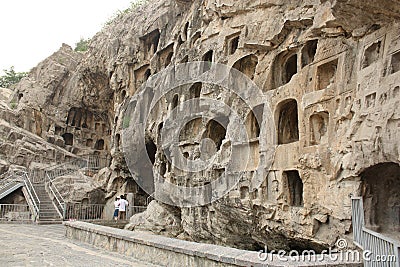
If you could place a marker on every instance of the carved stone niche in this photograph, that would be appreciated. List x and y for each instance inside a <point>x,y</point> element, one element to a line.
<point>149,43</point>
<point>288,122</point>
<point>326,74</point>
<point>284,68</point>
<point>293,188</point>
<point>319,128</point>
<point>395,62</point>
<point>371,54</point>
<point>247,65</point>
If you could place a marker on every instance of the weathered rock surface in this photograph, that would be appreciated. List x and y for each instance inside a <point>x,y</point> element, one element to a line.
<point>158,218</point>
<point>329,71</point>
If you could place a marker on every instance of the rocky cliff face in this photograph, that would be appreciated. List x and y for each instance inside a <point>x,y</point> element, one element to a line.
<point>329,74</point>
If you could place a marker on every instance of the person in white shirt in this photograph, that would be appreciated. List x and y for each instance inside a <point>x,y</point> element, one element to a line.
<point>123,204</point>
<point>116,208</point>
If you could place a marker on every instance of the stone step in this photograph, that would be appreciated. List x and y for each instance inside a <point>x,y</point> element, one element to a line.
<point>49,222</point>
<point>52,211</point>
<point>50,206</point>
<point>42,204</point>
<point>49,215</point>
<point>49,218</point>
<point>45,198</point>
<point>48,209</point>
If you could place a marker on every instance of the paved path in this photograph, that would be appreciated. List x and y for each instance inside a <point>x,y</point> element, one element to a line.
<point>45,245</point>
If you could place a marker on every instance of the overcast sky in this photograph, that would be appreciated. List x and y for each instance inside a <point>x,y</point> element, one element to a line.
<point>31,30</point>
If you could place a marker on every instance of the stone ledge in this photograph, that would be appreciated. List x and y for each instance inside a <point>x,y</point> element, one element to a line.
<point>174,252</point>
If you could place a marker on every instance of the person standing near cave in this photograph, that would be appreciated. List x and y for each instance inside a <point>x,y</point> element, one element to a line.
<point>116,208</point>
<point>123,204</point>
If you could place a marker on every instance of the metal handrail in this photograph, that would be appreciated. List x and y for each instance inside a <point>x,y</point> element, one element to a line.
<point>5,178</point>
<point>8,178</point>
<point>92,162</point>
<point>30,188</point>
<point>79,211</point>
<point>33,202</point>
<point>367,239</point>
<point>57,195</point>
<point>31,185</point>
<point>63,163</point>
<point>150,198</point>
<point>137,209</point>
<point>6,183</point>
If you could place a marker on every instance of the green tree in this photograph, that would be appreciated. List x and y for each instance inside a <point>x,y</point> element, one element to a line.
<point>82,45</point>
<point>11,77</point>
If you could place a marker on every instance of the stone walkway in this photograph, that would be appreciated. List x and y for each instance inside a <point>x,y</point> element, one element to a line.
<point>45,245</point>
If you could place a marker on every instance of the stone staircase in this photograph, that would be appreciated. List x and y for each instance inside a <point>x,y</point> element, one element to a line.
<point>48,213</point>
<point>48,206</point>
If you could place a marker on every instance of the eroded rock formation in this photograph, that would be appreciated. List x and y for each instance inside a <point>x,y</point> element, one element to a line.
<point>329,71</point>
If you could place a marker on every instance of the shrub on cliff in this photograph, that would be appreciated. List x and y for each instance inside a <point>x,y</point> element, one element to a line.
<point>11,77</point>
<point>82,45</point>
<point>119,13</point>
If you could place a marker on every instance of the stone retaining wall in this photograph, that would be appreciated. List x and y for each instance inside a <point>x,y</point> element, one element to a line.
<point>171,252</point>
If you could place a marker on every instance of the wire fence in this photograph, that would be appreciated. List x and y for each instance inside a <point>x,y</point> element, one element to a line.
<point>15,213</point>
<point>90,212</point>
<point>83,212</point>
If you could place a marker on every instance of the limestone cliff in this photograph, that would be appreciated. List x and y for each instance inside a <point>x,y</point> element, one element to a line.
<point>328,70</point>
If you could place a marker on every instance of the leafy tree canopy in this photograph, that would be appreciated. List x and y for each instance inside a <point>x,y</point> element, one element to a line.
<point>11,77</point>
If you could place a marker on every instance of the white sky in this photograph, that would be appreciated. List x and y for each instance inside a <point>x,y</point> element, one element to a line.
<point>32,30</point>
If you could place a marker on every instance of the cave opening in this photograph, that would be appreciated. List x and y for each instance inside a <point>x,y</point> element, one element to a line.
<point>118,141</point>
<point>151,150</point>
<point>99,145</point>
<point>233,45</point>
<point>168,59</point>
<point>147,75</point>
<point>68,139</point>
<point>395,62</point>
<point>294,188</point>
<point>381,197</point>
<point>247,65</point>
<point>308,52</point>
<point>288,128</point>
<point>175,102</point>
<point>89,142</point>
<point>216,132</point>
<point>150,42</point>
<point>253,121</point>
<point>195,90</point>
<point>290,68</point>
<point>185,32</point>
<point>208,58</point>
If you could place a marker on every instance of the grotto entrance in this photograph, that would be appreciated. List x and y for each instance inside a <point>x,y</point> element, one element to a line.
<point>381,197</point>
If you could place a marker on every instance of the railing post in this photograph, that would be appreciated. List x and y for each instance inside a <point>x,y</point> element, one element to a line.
<point>64,211</point>
<point>397,255</point>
